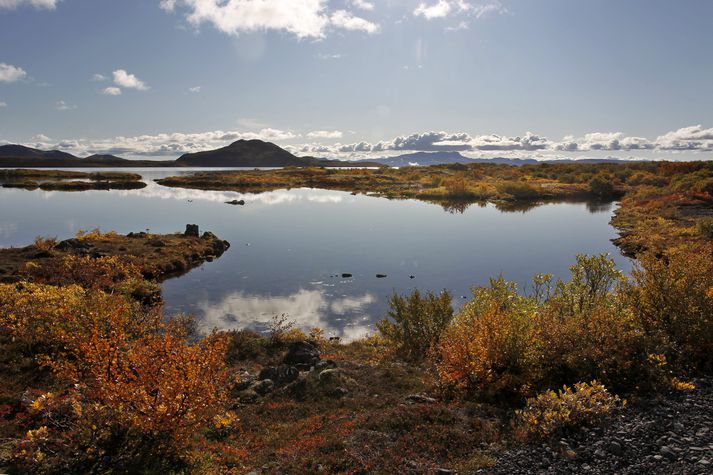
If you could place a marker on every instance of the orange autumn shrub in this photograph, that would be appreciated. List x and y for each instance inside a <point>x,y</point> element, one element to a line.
<point>672,298</point>
<point>489,349</point>
<point>129,386</point>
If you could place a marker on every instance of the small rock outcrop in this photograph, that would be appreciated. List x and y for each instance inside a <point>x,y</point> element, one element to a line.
<point>302,355</point>
<point>192,230</point>
<point>280,375</point>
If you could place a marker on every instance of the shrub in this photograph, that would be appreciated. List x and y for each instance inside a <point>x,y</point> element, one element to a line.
<point>705,227</point>
<point>488,348</point>
<point>673,302</point>
<point>416,323</point>
<point>131,386</point>
<point>554,412</point>
<point>518,190</point>
<point>45,244</point>
<point>601,186</point>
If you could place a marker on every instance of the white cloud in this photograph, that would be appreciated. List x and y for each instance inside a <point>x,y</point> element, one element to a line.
<point>11,4</point>
<point>3,104</point>
<point>128,81</point>
<point>63,106</point>
<point>302,18</point>
<point>99,78</point>
<point>168,5</point>
<point>112,91</point>
<point>344,19</point>
<point>529,145</point>
<point>435,10</point>
<point>325,134</point>
<point>10,73</point>
<point>694,138</point>
<point>444,8</point>
<point>329,55</point>
<point>363,4</point>
<point>195,89</point>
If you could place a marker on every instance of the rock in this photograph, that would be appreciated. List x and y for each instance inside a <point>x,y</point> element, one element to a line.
<point>236,202</point>
<point>262,387</point>
<point>156,242</point>
<point>381,276</point>
<point>280,375</point>
<point>326,364</point>
<point>444,471</point>
<point>72,245</point>
<point>302,354</point>
<point>667,452</point>
<point>339,392</point>
<point>412,277</point>
<point>346,276</point>
<point>615,448</point>
<point>192,230</point>
<point>420,399</point>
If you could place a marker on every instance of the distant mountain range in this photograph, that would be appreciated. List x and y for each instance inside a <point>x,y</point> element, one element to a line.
<point>444,158</point>
<point>243,153</point>
<point>247,153</point>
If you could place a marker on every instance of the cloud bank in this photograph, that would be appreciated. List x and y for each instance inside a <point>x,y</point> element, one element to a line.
<point>324,143</point>
<point>301,18</point>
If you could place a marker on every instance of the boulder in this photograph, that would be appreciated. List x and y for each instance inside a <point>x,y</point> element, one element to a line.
<point>262,387</point>
<point>236,202</point>
<point>280,375</point>
<point>192,230</point>
<point>302,354</point>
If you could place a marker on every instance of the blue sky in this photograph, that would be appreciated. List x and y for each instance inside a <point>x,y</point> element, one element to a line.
<point>358,78</point>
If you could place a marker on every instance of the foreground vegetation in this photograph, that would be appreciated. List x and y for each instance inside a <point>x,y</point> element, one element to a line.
<point>96,380</point>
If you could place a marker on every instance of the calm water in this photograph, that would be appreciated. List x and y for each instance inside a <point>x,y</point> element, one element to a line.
<point>288,246</point>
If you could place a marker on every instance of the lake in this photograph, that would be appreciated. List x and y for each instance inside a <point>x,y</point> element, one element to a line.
<point>291,247</point>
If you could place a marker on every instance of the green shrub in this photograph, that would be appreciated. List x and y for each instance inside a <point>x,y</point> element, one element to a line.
<point>601,186</point>
<point>416,323</point>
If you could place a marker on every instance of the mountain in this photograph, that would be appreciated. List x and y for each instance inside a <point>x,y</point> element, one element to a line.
<point>425,159</point>
<point>257,153</point>
<point>19,151</point>
<point>445,158</point>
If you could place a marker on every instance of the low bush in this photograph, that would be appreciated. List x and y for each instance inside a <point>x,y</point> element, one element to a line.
<point>551,412</point>
<point>672,299</point>
<point>705,228</point>
<point>415,323</point>
<point>488,349</point>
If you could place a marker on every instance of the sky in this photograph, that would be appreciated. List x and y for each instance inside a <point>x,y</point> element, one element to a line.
<point>360,78</point>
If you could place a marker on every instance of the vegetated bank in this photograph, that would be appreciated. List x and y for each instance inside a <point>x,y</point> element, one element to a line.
<point>62,180</point>
<point>432,390</point>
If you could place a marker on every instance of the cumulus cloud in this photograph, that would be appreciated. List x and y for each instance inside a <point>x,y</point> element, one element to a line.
<point>444,8</point>
<point>10,73</point>
<point>325,134</point>
<point>363,5</point>
<point>112,91</point>
<point>63,106</point>
<point>693,138</point>
<point>529,145</point>
<point>195,89</point>
<point>168,5</point>
<point>11,4</point>
<point>302,18</point>
<point>167,144</point>
<point>344,19</point>
<point>128,81</point>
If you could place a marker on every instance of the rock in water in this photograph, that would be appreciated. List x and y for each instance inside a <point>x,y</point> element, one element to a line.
<point>192,230</point>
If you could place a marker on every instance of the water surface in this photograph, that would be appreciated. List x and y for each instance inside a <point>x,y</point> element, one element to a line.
<point>291,247</point>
